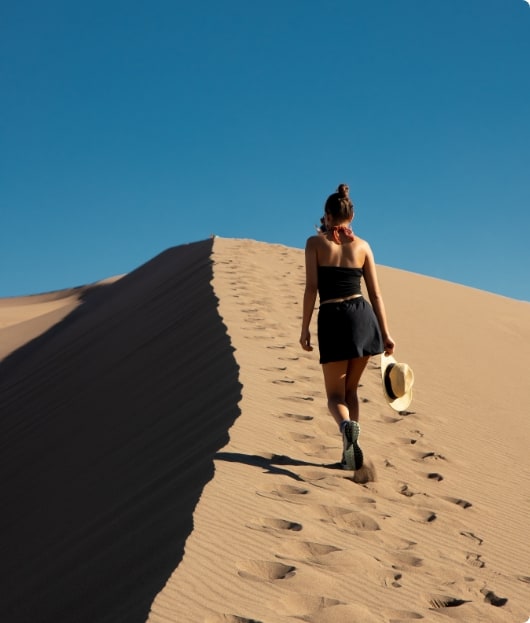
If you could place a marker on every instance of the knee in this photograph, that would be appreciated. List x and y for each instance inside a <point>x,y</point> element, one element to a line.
<point>335,399</point>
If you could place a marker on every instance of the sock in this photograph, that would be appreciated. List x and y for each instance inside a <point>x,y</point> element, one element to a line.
<point>342,425</point>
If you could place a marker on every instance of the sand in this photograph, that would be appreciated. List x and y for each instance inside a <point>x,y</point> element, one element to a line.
<point>168,457</point>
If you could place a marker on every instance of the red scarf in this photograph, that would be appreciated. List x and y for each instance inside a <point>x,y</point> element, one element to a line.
<point>341,228</point>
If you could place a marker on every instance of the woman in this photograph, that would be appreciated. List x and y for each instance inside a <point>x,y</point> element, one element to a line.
<point>350,330</point>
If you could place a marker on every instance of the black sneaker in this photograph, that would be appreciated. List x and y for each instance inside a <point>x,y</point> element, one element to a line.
<point>352,456</point>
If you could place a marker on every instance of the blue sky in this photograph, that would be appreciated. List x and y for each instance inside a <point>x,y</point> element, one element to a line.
<point>130,127</point>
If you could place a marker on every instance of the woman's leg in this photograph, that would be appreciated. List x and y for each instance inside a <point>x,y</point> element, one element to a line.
<point>353,376</point>
<point>335,374</point>
<point>341,379</point>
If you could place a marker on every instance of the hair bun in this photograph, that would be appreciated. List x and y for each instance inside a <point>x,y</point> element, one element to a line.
<point>343,190</point>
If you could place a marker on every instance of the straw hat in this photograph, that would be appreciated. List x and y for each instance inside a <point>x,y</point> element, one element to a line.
<point>398,379</point>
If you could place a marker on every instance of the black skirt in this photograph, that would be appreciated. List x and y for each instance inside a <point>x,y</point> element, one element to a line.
<point>347,330</point>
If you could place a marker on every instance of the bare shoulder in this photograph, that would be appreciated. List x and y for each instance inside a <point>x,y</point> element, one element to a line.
<point>314,241</point>
<point>363,246</point>
<point>361,242</point>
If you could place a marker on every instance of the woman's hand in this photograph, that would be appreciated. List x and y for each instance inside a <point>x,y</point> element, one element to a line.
<point>389,344</point>
<point>305,340</point>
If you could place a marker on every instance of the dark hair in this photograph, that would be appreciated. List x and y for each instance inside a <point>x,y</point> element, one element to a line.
<point>339,205</point>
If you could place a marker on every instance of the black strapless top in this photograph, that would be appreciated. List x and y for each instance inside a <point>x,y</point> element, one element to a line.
<point>338,282</point>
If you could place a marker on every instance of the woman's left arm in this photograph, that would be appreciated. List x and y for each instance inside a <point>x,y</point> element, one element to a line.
<point>310,292</point>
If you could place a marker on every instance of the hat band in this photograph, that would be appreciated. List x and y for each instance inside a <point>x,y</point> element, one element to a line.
<point>388,384</point>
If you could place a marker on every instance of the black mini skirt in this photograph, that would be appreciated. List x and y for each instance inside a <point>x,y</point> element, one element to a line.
<point>347,330</point>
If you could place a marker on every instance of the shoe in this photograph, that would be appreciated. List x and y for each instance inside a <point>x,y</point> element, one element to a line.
<point>352,456</point>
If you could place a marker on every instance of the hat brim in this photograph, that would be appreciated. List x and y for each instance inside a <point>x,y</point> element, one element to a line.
<point>398,404</point>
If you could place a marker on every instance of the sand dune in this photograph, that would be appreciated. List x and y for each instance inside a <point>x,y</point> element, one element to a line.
<point>167,455</point>
<point>109,423</point>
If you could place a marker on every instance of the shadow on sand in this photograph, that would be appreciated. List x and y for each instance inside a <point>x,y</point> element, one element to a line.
<point>109,423</point>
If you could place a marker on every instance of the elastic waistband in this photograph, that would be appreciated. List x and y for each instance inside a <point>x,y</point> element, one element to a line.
<point>353,297</point>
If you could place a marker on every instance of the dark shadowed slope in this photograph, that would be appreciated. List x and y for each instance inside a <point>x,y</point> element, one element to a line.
<point>108,427</point>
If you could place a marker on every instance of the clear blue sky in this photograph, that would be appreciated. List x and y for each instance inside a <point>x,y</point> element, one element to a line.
<point>127,127</point>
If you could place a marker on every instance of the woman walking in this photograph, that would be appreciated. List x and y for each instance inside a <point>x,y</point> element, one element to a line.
<point>350,329</point>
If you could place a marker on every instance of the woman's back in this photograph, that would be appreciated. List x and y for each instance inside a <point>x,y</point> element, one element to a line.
<point>347,254</point>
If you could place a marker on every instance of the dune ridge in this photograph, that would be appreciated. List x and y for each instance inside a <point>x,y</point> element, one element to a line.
<point>224,503</point>
<point>102,458</point>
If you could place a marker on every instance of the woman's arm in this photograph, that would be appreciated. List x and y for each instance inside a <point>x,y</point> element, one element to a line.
<point>310,292</point>
<point>376,299</point>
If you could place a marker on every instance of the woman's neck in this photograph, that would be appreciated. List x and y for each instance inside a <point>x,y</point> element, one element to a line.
<point>346,224</point>
<point>340,233</point>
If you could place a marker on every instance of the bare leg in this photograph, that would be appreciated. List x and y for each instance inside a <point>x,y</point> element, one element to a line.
<point>341,379</point>
<point>335,374</point>
<point>353,376</point>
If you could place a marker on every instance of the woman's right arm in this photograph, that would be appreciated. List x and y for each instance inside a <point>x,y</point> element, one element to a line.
<point>310,292</point>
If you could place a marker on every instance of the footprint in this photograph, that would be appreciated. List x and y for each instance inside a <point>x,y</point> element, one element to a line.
<point>263,570</point>
<point>296,417</point>
<point>300,437</point>
<point>321,479</point>
<point>402,616</point>
<point>386,419</point>
<point>275,525</point>
<point>320,450</point>
<point>306,398</point>
<point>299,604</point>
<point>393,580</point>
<point>290,493</point>
<point>341,612</point>
<point>358,521</point>
<point>431,456</point>
<point>411,440</point>
<point>404,490</point>
<point>309,551</point>
<point>253,326</point>
<point>475,560</point>
<point>491,598</point>
<point>470,535</point>
<point>328,514</point>
<point>423,516</point>
<point>408,441</point>
<point>391,541</point>
<point>445,601</point>
<point>363,500</point>
<point>404,559</point>
<point>435,476</point>
<point>458,502</point>
<point>229,618</point>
